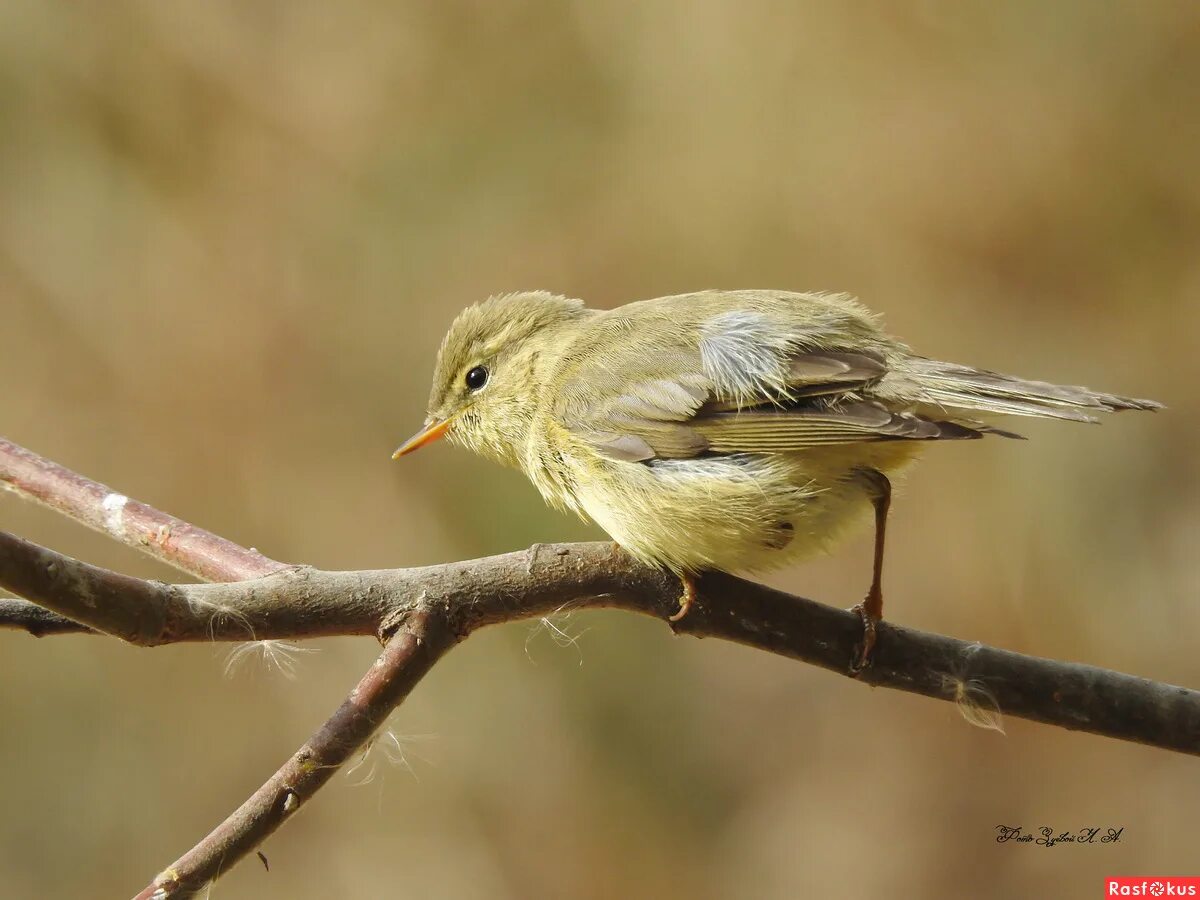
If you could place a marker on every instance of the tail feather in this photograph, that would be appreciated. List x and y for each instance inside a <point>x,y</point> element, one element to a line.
<point>962,387</point>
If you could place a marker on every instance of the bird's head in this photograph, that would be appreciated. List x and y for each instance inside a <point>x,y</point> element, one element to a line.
<point>488,373</point>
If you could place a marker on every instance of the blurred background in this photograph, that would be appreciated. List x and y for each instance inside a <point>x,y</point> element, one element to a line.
<point>231,237</point>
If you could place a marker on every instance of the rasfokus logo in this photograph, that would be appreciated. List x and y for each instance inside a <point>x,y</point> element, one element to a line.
<point>1152,886</point>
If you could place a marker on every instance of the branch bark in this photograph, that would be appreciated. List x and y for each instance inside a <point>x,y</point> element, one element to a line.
<point>409,654</point>
<point>421,613</point>
<point>174,541</point>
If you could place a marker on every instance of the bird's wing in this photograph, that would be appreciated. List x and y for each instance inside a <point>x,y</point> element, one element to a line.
<point>741,385</point>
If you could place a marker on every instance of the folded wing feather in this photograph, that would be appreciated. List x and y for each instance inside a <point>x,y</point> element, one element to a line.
<point>821,404</point>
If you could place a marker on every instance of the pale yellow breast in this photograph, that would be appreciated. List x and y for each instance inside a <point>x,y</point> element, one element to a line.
<point>740,513</point>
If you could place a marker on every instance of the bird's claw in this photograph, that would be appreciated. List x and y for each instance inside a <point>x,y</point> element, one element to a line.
<point>686,599</point>
<point>862,659</point>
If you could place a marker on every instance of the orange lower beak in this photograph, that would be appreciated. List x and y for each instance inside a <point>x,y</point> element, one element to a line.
<point>426,436</point>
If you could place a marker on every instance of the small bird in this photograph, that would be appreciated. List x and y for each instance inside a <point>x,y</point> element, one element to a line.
<point>728,430</point>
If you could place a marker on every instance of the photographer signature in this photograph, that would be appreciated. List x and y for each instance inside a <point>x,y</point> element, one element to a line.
<point>1048,837</point>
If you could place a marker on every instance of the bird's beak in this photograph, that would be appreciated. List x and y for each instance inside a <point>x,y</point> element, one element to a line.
<point>426,435</point>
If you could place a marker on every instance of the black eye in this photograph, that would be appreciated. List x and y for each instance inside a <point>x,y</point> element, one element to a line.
<point>477,378</point>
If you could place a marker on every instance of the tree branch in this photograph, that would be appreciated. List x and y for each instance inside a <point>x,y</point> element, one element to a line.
<point>303,603</point>
<point>150,613</point>
<point>421,613</point>
<point>417,645</point>
<point>174,541</point>
<point>20,615</point>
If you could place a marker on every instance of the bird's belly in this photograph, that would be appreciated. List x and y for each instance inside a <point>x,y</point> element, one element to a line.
<point>735,513</point>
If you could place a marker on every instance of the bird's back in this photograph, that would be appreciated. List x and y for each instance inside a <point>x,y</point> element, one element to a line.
<point>699,428</point>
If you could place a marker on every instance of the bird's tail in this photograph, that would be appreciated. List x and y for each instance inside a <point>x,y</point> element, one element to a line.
<point>961,387</point>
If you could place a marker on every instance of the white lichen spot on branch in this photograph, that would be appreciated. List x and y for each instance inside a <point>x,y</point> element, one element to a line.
<point>162,534</point>
<point>113,506</point>
<point>167,881</point>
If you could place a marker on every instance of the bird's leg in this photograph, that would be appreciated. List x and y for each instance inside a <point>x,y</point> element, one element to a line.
<point>871,609</point>
<point>687,598</point>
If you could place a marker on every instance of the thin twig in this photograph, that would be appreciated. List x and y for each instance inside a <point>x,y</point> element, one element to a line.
<point>407,656</point>
<point>21,615</point>
<point>150,613</point>
<point>174,541</point>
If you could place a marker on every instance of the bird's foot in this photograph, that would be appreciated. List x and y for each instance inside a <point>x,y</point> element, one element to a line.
<point>686,599</point>
<point>870,611</point>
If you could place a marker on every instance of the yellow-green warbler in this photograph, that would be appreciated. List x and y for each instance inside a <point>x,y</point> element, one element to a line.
<point>731,430</point>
